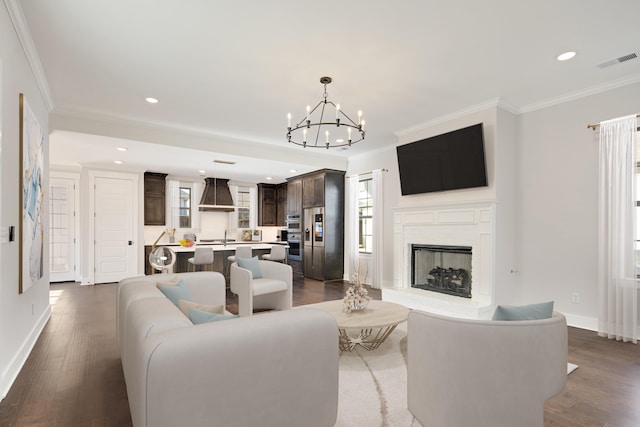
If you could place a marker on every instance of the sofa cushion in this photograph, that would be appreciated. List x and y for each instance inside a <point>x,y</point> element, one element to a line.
<point>177,292</point>
<point>169,281</point>
<point>185,305</point>
<point>542,310</point>
<point>250,264</point>
<point>200,316</point>
<point>267,286</point>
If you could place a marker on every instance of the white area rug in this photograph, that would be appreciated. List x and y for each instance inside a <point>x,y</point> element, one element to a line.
<point>373,385</point>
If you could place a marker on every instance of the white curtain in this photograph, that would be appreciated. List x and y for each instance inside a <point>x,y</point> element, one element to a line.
<point>617,313</point>
<point>253,207</point>
<point>378,231</point>
<point>196,195</point>
<point>353,224</point>
<point>173,204</point>
<point>233,215</point>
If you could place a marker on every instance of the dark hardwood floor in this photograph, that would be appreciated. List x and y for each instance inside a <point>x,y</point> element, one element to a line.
<point>73,376</point>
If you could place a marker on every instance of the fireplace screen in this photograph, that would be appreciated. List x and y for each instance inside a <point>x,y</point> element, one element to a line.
<point>444,269</point>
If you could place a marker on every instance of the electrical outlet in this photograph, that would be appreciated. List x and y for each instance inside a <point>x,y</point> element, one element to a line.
<point>575,298</point>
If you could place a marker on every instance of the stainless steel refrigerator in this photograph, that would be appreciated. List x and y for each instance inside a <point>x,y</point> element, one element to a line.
<point>313,256</point>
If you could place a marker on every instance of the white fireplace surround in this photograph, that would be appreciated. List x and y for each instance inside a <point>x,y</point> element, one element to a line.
<point>469,224</point>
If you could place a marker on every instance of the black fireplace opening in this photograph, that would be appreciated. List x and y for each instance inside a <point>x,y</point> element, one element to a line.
<point>441,268</point>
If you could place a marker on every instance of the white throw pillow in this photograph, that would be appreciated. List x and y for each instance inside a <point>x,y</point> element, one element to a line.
<point>172,281</point>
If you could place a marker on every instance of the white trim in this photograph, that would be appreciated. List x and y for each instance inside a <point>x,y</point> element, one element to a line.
<point>582,322</point>
<point>16,364</point>
<point>24,35</point>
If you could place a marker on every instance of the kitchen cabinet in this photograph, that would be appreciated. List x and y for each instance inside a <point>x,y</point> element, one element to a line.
<point>154,198</point>
<point>323,203</point>
<point>313,190</point>
<point>294,196</point>
<point>281,204</point>
<point>272,204</point>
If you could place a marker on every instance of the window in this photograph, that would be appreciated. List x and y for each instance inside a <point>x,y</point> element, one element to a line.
<point>243,206</point>
<point>365,215</point>
<point>185,207</point>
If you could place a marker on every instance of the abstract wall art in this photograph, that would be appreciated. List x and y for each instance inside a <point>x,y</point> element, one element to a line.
<point>31,197</point>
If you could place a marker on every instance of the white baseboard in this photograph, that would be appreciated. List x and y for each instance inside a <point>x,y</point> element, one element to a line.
<point>582,322</point>
<point>10,374</point>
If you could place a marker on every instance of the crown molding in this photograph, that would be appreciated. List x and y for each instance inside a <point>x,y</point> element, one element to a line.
<point>24,35</point>
<point>497,102</point>
<point>572,96</point>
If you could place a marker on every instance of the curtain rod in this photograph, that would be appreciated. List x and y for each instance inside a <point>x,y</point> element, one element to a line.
<point>596,126</point>
<point>364,173</point>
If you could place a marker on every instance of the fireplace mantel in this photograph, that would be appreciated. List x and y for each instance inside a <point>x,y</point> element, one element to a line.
<point>469,224</point>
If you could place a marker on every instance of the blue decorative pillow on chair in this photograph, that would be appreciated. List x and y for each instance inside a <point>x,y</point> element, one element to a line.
<point>177,292</point>
<point>543,310</point>
<point>250,264</point>
<point>200,316</point>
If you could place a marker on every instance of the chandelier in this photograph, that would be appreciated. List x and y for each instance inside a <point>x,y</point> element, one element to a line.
<point>317,130</point>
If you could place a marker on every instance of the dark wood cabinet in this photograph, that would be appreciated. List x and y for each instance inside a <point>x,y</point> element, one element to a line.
<point>313,191</point>
<point>281,204</point>
<point>266,204</point>
<point>294,197</point>
<point>154,198</point>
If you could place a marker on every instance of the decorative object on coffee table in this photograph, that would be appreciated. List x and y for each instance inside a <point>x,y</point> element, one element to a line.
<point>369,328</point>
<point>356,297</point>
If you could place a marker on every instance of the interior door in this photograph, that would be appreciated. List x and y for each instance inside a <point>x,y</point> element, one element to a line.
<point>62,232</point>
<point>114,253</point>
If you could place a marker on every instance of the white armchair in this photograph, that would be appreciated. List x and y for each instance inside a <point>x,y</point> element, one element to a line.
<point>463,372</point>
<point>274,290</point>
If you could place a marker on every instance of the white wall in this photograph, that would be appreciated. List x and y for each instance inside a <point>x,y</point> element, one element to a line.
<point>558,212</point>
<point>22,316</point>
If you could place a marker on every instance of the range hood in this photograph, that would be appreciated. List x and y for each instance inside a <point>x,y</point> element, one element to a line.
<point>216,196</point>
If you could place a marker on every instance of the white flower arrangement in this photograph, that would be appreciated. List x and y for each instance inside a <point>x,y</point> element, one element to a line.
<point>356,297</point>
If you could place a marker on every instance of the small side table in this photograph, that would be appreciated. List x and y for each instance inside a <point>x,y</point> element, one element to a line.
<point>373,324</point>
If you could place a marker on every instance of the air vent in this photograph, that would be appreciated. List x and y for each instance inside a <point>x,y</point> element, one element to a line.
<point>224,162</point>
<point>619,60</point>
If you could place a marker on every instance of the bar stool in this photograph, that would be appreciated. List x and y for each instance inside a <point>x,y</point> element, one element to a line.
<point>244,251</point>
<point>201,256</point>
<point>278,254</point>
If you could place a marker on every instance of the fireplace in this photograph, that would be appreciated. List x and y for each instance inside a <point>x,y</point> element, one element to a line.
<point>470,226</point>
<point>442,268</point>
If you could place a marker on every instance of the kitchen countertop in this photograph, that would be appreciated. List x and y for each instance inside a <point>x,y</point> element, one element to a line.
<point>218,247</point>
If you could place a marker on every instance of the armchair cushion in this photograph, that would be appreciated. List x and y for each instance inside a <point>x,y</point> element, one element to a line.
<point>266,286</point>
<point>185,305</point>
<point>542,310</point>
<point>200,316</point>
<point>177,292</point>
<point>252,265</point>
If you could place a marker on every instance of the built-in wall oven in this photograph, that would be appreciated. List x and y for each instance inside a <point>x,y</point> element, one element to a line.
<point>295,246</point>
<point>294,223</point>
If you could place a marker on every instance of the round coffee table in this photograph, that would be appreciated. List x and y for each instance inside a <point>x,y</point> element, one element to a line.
<point>372,325</point>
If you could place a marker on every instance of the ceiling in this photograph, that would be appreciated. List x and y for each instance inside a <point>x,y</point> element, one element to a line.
<point>227,73</point>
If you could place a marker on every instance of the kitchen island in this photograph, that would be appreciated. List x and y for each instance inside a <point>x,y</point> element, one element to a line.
<point>220,253</point>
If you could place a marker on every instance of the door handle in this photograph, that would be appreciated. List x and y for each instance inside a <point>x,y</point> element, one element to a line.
<point>130,242</point>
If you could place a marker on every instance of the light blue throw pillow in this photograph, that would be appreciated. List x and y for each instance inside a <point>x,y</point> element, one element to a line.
<point>250,264</point>
<point>177,292</point>
<point>543,310</point>
<point>200,316</point>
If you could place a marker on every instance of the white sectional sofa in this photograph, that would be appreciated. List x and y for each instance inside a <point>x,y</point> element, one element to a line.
<point>275,369</point>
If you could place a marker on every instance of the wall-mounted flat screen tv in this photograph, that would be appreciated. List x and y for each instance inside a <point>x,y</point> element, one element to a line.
<point>450,161</point>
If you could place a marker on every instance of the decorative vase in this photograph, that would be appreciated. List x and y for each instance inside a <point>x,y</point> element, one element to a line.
<point>356,297</point>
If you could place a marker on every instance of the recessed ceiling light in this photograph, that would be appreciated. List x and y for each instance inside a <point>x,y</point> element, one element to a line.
<point>293,170</point>
<point>202,171</point>
<point>122,148</point>
<point>118,162</point>
<point>566,55</point>
<point>269,178</point>
<point>151,100</point>
<point>340,140</point>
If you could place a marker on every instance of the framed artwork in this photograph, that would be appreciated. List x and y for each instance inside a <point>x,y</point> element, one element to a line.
<point>31,197</point>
